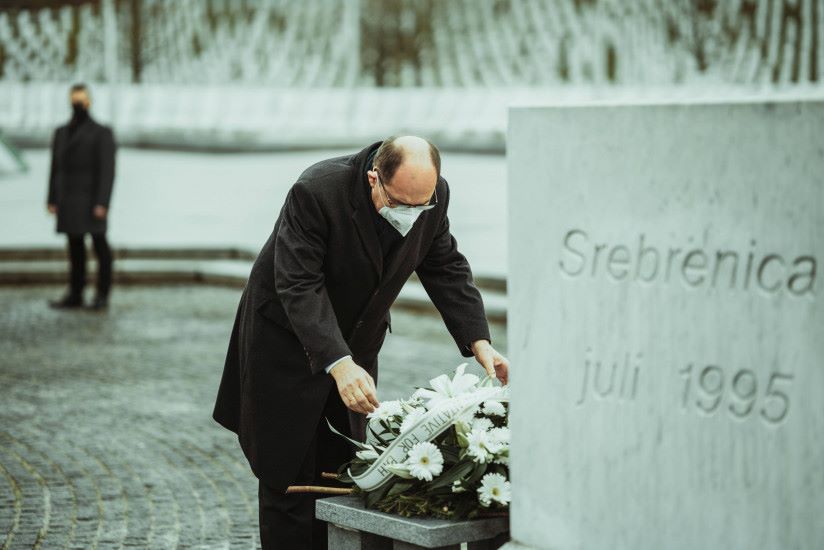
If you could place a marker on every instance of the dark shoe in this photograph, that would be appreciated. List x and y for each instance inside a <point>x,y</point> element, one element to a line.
<point>67,302</point>
<point>100,303</point>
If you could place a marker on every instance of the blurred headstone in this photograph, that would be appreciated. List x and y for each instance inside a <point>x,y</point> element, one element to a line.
<point>665,325</point>
<point>11,160</point>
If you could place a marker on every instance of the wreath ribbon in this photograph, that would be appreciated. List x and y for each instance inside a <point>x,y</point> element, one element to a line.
<point>433,423</point>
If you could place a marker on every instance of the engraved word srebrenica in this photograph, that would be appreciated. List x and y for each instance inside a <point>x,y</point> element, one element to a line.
<point>649,262</point>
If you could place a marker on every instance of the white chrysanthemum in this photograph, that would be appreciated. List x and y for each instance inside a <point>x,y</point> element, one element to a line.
<point>386,410</point>
<point>478,446</point>
<point>444,388</point>
<point>500,435</point>
<point>497,440</point>
<point>492,446</point>
<point>411,419</point>
<point>481,424</point>
<point>494,408</point>
<point>457,486</point>
<point>468,416</point>
<point>425,460</point>
<point>494,487</point>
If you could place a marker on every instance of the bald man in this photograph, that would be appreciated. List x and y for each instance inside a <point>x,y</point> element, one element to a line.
<point>315,312</point>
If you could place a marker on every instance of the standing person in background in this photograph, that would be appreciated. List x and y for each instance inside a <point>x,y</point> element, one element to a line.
<point>80,187</point>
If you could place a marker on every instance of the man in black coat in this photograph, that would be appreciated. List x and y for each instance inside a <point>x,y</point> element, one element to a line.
<point>80,187</point>
<point>315,311</point>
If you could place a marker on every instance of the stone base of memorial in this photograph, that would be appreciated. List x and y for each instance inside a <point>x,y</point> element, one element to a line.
<point>352,526</point>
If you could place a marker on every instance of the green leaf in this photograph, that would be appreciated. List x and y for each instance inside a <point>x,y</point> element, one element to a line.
<point>358,467</point>
<point>371,500</point>
<point>373,497</point>
<point>480,470</point>
<point>450,454</point>
<point>440,492</point>
<point>381,440</point>
<point>456,472</point>
<point>399,487</point>
<point>344,477</point>
<point>352,441</point>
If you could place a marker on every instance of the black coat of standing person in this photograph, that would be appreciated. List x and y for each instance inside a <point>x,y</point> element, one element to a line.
<point>315,312</point>
<point>80,187</point>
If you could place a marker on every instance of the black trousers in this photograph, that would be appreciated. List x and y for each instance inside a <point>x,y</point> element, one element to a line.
<point>77,257</point>
<point>288,521</point>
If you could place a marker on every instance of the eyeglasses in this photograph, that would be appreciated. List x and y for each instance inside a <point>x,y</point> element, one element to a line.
<point>392,202</point>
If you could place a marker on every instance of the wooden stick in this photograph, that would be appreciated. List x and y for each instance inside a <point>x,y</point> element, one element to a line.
<point>329,475</point>
<point>318,489</point>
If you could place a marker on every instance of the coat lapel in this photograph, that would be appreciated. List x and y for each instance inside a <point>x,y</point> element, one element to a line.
<point>73,139</point>
<point>361,216</point>
<point>366,231</point>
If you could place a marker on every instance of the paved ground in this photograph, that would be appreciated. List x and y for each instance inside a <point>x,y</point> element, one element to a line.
<point>167,199</point>
<point>106,439</point>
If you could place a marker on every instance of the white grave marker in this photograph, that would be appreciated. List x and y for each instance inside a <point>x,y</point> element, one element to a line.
<point>666,325</point>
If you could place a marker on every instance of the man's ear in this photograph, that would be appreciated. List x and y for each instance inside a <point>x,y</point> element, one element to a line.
<point>372,178</point>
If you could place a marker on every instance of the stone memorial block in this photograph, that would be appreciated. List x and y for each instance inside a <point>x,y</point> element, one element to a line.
<point>353,526</point>
<point>666,325</point>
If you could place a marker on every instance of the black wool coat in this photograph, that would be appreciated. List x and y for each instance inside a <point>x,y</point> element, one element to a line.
<point>319,290</point>
<point>82,176</point>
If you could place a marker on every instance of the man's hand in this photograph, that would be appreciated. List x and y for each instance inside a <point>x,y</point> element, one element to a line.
<point>493,362</point>
<point>100,212</point>
<point>356,386</point>
<point>52,208</point>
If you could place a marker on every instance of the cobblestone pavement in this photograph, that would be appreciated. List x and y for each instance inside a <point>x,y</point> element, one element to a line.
<point>106,438</point>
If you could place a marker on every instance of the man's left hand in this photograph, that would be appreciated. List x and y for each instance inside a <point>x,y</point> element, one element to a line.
<point>493,362</point>
<point>99,212</point>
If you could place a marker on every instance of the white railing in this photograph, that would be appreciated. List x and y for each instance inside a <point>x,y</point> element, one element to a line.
<point>490,43</point>
<point>243,117</point>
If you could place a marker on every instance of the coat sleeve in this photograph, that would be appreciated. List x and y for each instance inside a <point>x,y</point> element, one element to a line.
<point>52,196</point>
<point>105,174</point>
<point>300,250</point>
<point>447,279</point>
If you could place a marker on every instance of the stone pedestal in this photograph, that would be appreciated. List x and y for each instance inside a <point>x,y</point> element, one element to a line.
<point>353,527</point>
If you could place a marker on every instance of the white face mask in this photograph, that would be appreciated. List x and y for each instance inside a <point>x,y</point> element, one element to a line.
<point>402,217</point>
